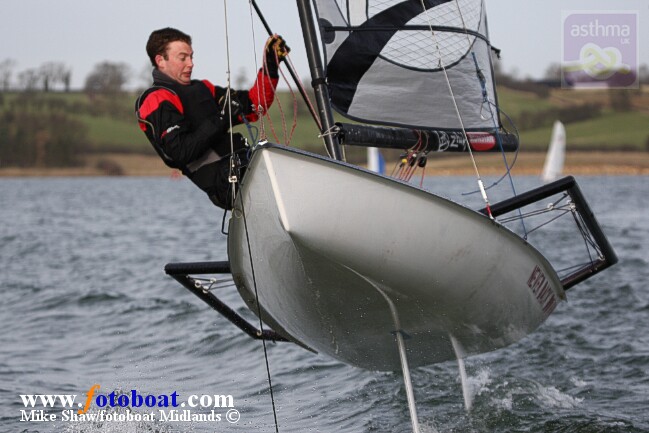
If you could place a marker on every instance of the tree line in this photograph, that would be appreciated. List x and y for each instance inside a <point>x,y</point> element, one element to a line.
<point>106,77</point>
<point>40,128</point>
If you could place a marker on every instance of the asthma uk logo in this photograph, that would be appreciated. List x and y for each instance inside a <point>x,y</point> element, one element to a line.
<point>600,49</point>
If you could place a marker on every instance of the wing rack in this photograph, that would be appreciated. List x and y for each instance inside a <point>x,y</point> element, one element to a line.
<point>181,273</point>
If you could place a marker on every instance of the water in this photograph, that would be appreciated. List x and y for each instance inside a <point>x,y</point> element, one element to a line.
<point>85,301</point>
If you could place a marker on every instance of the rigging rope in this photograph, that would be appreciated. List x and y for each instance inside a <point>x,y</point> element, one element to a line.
<point>261,113</point>
<point>486,100</point>
<point>228,100</point>
<point>287,136</point>
<point>455,106</point>
<point>261,322</point>
<point>490,105</point>
<point>307,100</point>
<point>233,180</point>
<point>262,136</point>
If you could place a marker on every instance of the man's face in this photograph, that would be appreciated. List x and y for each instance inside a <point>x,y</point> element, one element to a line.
<point>178,63</point>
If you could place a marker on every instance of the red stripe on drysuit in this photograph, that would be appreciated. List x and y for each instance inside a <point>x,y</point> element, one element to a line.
<point>153,101</point>
<point>211,87</point>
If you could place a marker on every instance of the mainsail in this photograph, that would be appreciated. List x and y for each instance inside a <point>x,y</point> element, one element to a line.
<point>415,63</point>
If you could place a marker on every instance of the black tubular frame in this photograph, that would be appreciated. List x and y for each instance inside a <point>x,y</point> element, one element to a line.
<point>569,185</point>
<point>181,273</point>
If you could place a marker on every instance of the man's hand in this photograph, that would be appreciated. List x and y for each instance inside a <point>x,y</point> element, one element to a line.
<point>276,47</point>
<point>235,109</point>
<point>276,51</point>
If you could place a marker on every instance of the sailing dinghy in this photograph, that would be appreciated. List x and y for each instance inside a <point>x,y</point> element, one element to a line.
<point>372,270</point>
<point>556,156</point>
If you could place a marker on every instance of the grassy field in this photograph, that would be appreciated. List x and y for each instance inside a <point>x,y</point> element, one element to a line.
<point>514,102</point>
<point>105,134</point>
<point>611,131</point>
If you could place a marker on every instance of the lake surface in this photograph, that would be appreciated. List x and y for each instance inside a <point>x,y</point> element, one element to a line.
<point>85,301</point>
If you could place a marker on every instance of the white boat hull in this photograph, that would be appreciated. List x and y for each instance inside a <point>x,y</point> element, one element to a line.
<point>342,258</point>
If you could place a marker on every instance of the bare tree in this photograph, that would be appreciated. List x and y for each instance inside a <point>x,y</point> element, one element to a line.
<point>144,77</point>
<point>53,73</point>
<point>643,74</point>
<point>553,72</point>
<point>6,70</point>
<point>66,79</point>
<point>28,79</point>
<point>107,77</point>
<point>241,79</point>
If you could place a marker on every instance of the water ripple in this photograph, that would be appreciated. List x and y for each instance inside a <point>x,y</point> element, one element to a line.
<point>85,300</point>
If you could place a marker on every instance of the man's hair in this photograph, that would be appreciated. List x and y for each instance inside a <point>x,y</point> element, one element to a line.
<point>160,39</point>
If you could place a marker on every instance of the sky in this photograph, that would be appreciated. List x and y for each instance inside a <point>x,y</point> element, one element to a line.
<point>84,33</point>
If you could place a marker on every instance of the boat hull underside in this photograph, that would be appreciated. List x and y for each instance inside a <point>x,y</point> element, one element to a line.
<point>343,258</point>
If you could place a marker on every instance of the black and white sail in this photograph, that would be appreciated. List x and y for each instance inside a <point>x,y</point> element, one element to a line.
<point>415,63</point>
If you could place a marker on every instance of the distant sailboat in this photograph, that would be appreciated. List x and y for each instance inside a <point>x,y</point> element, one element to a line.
<point>556,154</point>
<point>375,160</point>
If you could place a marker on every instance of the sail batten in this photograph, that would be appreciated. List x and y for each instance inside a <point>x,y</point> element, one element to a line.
<point>408,63</point>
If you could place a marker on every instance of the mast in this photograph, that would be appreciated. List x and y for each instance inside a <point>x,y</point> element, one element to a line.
<point>318,78</point>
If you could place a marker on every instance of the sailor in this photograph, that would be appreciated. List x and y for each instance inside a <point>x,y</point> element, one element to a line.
<point>188,121</point>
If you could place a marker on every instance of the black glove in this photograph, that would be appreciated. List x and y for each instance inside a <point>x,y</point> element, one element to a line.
<point>276,52</point>
<point>236,109</point>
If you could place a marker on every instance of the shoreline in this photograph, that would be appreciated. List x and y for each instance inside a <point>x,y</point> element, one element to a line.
<point>617,163</point>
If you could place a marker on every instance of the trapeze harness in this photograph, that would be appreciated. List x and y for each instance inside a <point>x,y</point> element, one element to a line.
<point>197,104</point>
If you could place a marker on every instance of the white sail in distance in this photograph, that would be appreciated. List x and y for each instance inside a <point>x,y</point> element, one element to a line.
<point>375,161</point>
<point>554,160</point>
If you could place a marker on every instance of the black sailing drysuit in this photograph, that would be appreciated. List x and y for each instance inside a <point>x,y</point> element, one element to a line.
<point>188,126</point>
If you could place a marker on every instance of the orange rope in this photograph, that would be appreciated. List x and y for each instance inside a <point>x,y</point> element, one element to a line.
<point>288,136</point>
